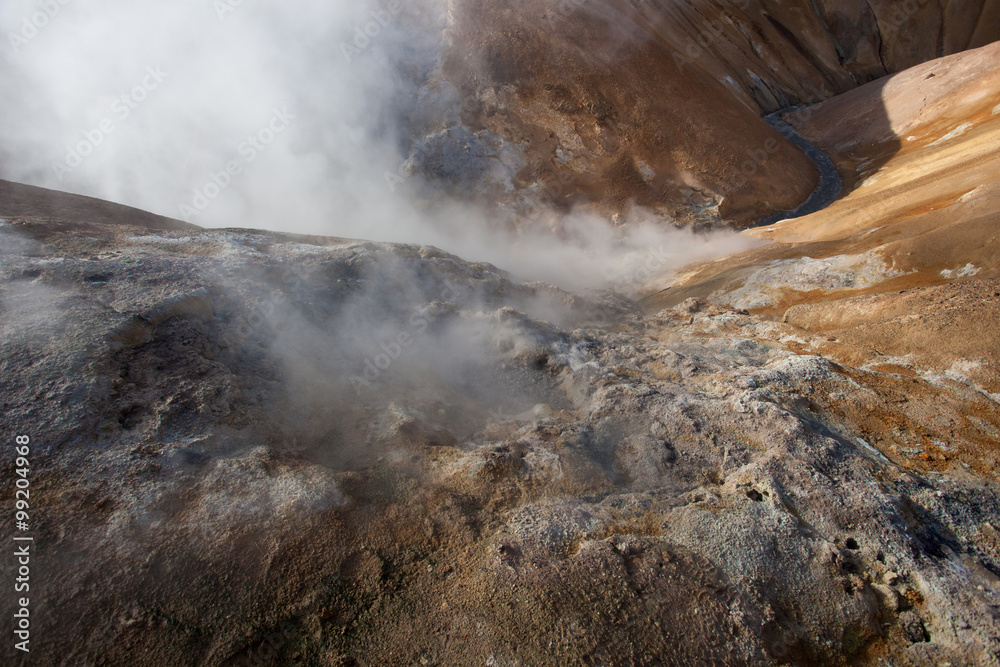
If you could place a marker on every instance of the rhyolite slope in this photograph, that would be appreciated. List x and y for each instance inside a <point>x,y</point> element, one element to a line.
<point>250,447</point>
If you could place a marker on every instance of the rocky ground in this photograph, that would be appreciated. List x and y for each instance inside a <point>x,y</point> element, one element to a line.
<point>903,264</point>
<point>251,447</point>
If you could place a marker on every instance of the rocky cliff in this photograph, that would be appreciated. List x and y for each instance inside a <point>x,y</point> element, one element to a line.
<point>610,104</point>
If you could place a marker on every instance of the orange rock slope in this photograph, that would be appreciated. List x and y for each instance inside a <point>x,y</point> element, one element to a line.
<point>903,269</point>
<point>617,103</point>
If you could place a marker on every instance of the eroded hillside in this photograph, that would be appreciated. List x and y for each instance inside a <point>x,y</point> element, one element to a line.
<point>902,265</point>
<point>608,104</point>
<point>253,447</point>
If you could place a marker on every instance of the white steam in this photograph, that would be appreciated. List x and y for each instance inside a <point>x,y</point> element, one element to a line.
<point>275,115</point>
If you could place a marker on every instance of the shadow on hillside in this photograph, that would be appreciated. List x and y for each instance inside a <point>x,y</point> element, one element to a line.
<point>853,129</point>
<point>22,201</point>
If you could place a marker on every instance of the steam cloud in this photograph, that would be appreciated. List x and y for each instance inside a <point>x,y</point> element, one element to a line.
<point>283,116</point>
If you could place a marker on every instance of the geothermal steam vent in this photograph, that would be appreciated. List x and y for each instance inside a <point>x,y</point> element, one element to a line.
<point>483,332</point>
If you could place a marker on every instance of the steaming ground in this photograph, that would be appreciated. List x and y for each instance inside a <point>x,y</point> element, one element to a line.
<point>252,446</point>
<point>255,117</point>
<point>270,116</point>
<point>259,447</point>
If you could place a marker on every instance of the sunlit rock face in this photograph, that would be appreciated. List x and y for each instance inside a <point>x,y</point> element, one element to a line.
<point>609,104</point>
<point>901,265</point>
